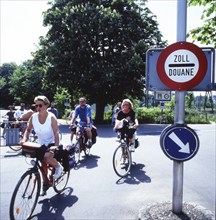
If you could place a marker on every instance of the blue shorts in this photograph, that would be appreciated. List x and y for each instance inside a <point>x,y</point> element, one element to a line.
<point>84,124</point>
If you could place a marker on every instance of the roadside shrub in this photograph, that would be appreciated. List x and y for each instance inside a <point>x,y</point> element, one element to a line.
<point>166,116</point>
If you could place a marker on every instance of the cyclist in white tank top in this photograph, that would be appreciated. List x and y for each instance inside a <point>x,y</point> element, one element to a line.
<point>46,127</point>
<point>44,131</point>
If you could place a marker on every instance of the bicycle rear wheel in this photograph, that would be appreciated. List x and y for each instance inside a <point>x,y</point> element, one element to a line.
<point>61,183</point>
<point>122,161</point>
<point>15,148</point>
<point>25,195</point>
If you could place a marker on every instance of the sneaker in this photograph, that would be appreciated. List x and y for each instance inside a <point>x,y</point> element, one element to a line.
<point>58,172</point>
<point>131,147</point>
<point>89,144</point>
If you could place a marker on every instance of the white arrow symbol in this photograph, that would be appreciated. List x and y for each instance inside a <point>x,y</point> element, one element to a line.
<point>184,147</point>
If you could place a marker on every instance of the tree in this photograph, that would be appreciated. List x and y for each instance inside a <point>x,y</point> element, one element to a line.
<point>6,71</point>
<point>98,47</point>
<point>189,100</point>
<point>207,33</point>
<point>26,82</point>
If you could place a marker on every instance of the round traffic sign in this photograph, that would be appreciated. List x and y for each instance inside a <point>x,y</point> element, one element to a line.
<point>166,96</point>
<point>179,142</point>
<point>182,66</point>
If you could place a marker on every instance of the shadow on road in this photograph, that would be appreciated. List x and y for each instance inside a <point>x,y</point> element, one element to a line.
<point>106,131</point>
<point>136,176</point>
<point>12,153</point>
<point>88,162</point>
<point>53,208</point>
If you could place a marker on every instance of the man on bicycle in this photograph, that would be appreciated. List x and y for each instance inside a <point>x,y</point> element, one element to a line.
<point>126,122</point>
<point>83,110</point>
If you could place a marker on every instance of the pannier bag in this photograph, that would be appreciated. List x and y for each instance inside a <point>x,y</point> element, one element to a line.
<point>94,134</point>
<point>29,149</point>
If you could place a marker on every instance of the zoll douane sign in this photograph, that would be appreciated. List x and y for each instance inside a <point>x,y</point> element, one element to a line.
<point>182,66</point>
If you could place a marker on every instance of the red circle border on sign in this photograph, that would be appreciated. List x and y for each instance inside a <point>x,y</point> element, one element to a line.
<point>203,64</point>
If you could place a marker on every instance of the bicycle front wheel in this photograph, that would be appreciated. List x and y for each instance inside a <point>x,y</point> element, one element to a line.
<point>25,196</point>
<point>61,183</point>
<point>77,152</point>
<point>122,161</point>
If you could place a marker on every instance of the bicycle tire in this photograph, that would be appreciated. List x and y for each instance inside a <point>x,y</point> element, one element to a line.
<point>15,148</point>
<point>77,152</point>
<point>86,151</point>
<point>60,184</point>
<point>122,161</point>
<point>25,195</point>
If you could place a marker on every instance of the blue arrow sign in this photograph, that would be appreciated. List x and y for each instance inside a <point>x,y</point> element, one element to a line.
<point>179,142</point>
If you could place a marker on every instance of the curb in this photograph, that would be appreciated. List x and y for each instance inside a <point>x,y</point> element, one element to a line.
<point>163,210</point>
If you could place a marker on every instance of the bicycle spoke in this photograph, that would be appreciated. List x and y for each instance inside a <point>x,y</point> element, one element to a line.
<point>60,184</point>
<point>121,161</point>
<point>25,196</point>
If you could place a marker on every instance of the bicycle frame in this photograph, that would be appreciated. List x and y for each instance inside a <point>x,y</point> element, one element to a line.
<point>80,136</point>
<point>80,144</point>
<point>38,167</point>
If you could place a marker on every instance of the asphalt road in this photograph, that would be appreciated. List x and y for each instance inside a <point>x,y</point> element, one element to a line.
<point>96,192</point>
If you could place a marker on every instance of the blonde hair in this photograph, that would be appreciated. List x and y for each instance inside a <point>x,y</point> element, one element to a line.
<point>128,101</point>
<point>42,98</point>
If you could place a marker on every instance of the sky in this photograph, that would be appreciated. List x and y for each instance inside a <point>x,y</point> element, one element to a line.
<point>22,25</point>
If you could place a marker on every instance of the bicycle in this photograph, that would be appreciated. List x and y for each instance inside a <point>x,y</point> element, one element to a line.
<point>81,143</point>
<point>11,134</point>
<point>27,191</point>
<point>122,157</point>
<point>4,125</point>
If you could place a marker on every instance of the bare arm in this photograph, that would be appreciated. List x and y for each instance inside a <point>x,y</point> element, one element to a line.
<point>26,116</point>
<point>136,123</point>
<point>27,131</point>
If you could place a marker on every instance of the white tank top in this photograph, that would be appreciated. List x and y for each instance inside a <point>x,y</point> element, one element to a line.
<point>44,131</point>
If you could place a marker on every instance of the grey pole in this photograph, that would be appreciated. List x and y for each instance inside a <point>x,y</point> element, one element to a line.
<point>178,167</point>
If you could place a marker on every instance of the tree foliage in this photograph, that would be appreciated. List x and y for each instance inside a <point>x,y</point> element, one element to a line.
<point>207,33</point>
<point>6,71</point>
<point>98,47</point>
<point>26,82</point>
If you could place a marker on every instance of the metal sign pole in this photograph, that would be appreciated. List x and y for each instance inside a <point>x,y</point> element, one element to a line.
<point>179,116</point>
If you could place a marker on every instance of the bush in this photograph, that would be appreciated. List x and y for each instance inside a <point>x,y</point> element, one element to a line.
<point>157,116</point>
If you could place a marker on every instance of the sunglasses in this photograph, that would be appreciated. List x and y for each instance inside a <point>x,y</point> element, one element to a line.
<point>40,106</point>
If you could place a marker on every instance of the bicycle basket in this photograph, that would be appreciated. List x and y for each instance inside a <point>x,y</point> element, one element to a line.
<point>29,149</point>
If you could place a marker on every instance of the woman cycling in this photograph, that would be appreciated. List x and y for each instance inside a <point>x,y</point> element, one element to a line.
<point>46,127</point>
<point>127,116</point>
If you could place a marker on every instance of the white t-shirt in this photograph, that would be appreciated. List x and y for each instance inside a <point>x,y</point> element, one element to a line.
<point>19,113</point>
<point>44,131</point>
